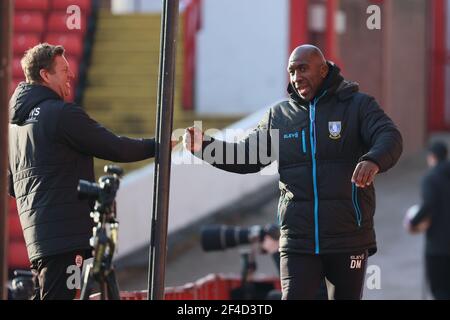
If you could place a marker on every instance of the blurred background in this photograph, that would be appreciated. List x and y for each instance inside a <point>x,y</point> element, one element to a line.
<point>231,66</point>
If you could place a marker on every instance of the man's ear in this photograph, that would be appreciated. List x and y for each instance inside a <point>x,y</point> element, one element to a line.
<point>44,75</point>
<point>324,70</point>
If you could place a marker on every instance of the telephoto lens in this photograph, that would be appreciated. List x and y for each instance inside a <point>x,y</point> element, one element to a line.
<point>221,237</point>
<point>88,190</point>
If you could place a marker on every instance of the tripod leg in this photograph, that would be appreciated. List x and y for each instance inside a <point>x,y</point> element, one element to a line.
<point>113,287</point>
<point>87,284</point>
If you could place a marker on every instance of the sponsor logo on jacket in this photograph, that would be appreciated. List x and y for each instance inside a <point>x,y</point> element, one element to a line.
<point>356,261</point>
<point>291,135</point>
<point>33,116</point>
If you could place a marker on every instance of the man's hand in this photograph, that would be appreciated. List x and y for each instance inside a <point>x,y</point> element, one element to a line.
<point>420,227</point>
<point>269,245</point>
<point>364,173</point>
<point>193,139</point>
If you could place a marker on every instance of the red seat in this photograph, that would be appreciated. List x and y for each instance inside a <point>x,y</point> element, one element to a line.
<point>29,22</point>
<point>12,205</point>
<point>59,21</point>
<point>17,68</point>
<point>14,84</point>
<point>15,228</point>
<point>28,5</point>
<point>18,255</point>
<point>23,42</point>
<point>72,42</point>
<point>85,5</point>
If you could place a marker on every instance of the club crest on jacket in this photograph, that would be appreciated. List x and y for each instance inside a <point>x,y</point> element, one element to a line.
<point>334,127</point>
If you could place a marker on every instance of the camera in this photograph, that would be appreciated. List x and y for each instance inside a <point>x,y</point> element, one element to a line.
<point>105,233</point>
<point>103,192</point>
<point>22,285</point>
<point>221,237</point>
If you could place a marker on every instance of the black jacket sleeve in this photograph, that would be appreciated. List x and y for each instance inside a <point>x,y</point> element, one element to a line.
<point>381,136</point>
<point>87,136</point>
<point>430,192</point>
<point>249,155</point>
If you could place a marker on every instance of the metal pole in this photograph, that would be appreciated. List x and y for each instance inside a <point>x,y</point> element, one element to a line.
<point>5,80</point>
<point>330,32</point>
<point>160,215</point>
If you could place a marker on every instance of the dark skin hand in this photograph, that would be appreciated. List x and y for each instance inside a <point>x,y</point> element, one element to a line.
<point>364,173</point>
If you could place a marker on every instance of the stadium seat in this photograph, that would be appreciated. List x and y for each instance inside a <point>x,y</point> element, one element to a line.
<point>72,42</point>
<point>57,22</point>
<point>15,229</point>
<point>62,5</point>
<point>14,84</point>
<point>12,206</point>
<point>17,255</point>
<point>17,68</point>
<point>22,42</point>
<point>28,5</point>
<point>29,22</point>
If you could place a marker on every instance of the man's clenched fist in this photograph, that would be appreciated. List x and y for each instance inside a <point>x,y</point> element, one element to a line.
<point>364,173</point>
<point>193,139</point>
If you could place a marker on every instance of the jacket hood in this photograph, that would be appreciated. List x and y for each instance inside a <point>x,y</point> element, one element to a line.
<point>334,83</point>
<point>25,98</point>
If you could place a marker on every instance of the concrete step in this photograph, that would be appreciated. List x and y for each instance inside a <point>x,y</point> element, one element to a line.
<point>113,46</point>
<point>117,78</point>
<point>107,14</point>
<point>116,58</point>
<point>104,103</point>
<point>117,81</point>
<point>126,91</point>
<point>109,20</point>
<point>130,67</point>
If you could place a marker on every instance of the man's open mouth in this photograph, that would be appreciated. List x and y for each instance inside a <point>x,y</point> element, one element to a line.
<point>303,90</point>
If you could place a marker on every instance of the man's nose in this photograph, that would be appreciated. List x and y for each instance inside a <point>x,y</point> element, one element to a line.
<point>71,74</point>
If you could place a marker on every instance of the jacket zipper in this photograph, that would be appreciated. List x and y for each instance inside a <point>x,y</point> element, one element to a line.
<point>303,141</point>
<point>313,143</point>
<point>356,204</point>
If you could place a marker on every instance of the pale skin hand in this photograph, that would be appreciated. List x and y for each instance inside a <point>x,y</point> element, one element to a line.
<point>270,245</point>
<point>193,139</point>
<point>421,227</point>
<point>364,173</point>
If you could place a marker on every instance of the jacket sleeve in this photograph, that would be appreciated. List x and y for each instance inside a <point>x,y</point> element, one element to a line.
<point>429,200</point>
<point>380,135</point>
<point>249,155</point>
<point>87,136</point>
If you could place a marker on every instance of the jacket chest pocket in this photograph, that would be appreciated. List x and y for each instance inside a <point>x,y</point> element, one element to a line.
<point>294,146</point>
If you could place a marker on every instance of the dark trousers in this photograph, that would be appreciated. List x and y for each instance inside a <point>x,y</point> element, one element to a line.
<point>438,274</point>
<point>54,276</point>
<point>302,274</point>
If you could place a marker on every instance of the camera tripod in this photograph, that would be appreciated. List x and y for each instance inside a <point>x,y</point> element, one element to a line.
<point>102,271</point>
<point>105,235</point>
